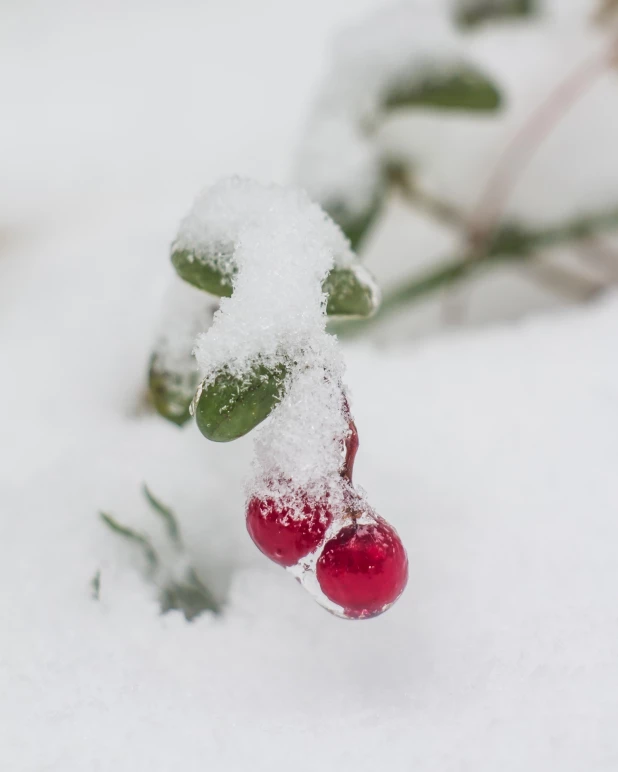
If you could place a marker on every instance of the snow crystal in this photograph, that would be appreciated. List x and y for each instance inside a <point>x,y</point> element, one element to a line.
<point>283,246</point>
<point>402,41</point>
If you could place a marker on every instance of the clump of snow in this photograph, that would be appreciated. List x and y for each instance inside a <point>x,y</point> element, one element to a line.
<point>284,246</point>
<point>224,213</point>
<point>338,159</point>
<point>403,41</point>
<point>302,441</point>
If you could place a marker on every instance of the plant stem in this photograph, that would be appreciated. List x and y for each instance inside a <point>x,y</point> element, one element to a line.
<point>520,151</point>
<point>607,10</point>
<point>509,244</point>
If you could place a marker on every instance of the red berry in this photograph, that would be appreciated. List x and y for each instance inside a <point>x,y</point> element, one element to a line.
<point>287,531</point>
<point>363,569</point>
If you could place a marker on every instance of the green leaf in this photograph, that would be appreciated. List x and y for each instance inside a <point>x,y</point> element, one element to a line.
<point>354,294</point>
<point>172,389</point>
<point>351,292</point>
<point>463,89</point>
<point>229,407</point>
<point>205,273</point>
<point>470,13</point>
<point>152,559</point>
<point>169,518</point>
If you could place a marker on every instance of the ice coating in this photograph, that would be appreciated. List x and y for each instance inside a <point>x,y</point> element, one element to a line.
<point>284,246</point>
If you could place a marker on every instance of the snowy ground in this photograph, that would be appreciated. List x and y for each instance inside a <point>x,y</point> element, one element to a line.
<point>493,452</point>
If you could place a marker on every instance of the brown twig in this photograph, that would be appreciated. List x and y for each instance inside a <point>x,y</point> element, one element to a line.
<point>607,11</point>
<point>442,211</point>
<point>563,281</point>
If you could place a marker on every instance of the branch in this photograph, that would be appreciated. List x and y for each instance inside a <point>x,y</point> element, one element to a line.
<point>509,244</point>
<point>519,153</point>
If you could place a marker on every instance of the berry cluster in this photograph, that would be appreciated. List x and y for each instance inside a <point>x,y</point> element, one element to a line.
<point>359,561</point>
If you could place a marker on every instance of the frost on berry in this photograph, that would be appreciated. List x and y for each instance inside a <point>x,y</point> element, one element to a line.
<point>363,569</point>
<point>288,529</point>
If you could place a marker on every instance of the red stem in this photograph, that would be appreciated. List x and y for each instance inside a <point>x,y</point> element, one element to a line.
<point>518,154</point>
<point>351,444</point>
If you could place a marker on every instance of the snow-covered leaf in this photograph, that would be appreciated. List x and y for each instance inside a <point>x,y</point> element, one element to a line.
<point>172,389</point>
<point>173,376</point>
<point>351,292</point>
<point>180,587</point>
<point>202,273</point>
<point>190,596</point>
<point>463,88</point>
<point>229,407</point>
<point>469,13</point>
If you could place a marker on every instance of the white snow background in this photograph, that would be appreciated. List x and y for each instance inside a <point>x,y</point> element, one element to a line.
<point>493,451</point>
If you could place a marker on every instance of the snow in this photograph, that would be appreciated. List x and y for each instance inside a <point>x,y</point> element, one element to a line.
<point>493,451</point>
<point>283,246</point>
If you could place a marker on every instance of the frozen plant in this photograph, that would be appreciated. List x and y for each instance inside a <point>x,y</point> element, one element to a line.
<point>178,584</point>
<point>406,57</point>
<point>280,265</point>
<point>173,376</point>
<point>415,57</point>
<point>469,13</point>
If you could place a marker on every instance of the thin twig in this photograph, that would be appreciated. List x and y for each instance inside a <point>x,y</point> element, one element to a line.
<point>520,151</point>
<point>440,210</point>
<point>602,256</point>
